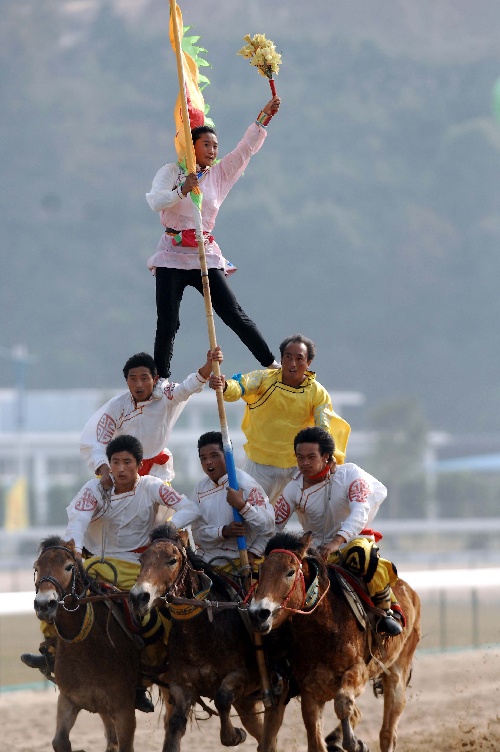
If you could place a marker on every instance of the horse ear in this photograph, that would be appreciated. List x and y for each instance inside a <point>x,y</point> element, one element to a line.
<point>184,536</point>
<point>70,544</point>
<point>305,543</point>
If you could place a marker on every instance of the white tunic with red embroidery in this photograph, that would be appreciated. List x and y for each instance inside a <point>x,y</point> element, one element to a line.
<point>125,523</point>
<point>151,422</point>
<point>214,512</point>
<point>344,503</point>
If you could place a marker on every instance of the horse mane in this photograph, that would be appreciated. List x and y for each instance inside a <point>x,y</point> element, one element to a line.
<point>50,542</point>
<point>166,530</point>
<point>293,542</point>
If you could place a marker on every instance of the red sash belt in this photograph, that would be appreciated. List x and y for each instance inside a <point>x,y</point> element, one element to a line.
<point>187,238</point>
<point>161,459</point>
<point>368,531</point>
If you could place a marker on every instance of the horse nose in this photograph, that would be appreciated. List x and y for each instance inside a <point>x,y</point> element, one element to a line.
<point>45,606</point>
<point>263,614</point>
<point>139,599</point>
<point>259,615</point>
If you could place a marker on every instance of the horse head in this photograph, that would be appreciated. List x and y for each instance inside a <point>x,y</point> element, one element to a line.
<point>57,573</point>
<point>281,589</point>
<point>162,564</point>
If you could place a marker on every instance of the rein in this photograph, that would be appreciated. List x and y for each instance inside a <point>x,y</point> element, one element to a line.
<point>310,597</point>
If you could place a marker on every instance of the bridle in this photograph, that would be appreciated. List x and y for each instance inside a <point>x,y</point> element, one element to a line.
<point>177,584</point>
<point>75,578</point>
<point>182,611</point>
<point>310,597</point>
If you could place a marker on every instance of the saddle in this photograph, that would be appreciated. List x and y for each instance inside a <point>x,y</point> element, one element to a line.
<point>120,610</point>
<point>362,606</point>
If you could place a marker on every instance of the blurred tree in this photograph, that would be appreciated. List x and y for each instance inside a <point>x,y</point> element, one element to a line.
<point>398,455</point>
<point>468,495</point>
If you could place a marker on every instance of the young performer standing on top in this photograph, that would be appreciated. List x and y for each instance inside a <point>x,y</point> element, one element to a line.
<point>278,404</point>
<point>338,504</point>
<point>176,264</point>
<point>148,410</point>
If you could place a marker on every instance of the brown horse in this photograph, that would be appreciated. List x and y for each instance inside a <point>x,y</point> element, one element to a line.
<point>332,658</point>
<point>96,664</point>
<point>208,654</point>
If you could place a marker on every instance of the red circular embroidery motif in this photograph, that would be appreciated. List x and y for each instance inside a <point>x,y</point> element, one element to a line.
<point>86,502</point>
<point>105,429</point>
<point>281,510</point>
<point>255,497</point>
<point>169,496</point>
<point>359,490</point>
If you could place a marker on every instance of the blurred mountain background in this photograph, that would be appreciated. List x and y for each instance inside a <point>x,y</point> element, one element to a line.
<point>369,220</point>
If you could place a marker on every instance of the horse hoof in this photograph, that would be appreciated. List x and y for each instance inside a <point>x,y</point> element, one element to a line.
<point>242,735</point>
<point>362,747</point>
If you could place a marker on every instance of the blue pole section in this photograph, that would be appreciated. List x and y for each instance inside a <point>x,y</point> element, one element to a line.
<point>233,482</point>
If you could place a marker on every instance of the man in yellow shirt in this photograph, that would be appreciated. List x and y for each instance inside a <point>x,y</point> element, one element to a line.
<point>279,403</point>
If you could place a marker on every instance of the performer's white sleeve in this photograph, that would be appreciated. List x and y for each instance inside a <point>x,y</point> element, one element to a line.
<point>258,513</point>
<point>185,511</point>
<point>206,536</point>
<point>365,494</point>
<point>80,512</point>
<point>96,435</point>
<point>285,506</point>
<point>176,394</point>
<point>233,164</point>
<point>161,195</point>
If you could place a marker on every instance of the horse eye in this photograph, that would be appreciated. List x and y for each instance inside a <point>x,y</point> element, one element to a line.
<point>291,573</point>
<point>172,562</point>
<point>68,567</point>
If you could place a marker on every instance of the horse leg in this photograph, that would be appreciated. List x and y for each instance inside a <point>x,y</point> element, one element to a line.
<point>394,685</point>
<point>165,696</point>
<point>65,720</point>
<point>110,733</point>
<point>124,722</point>
<point>180,704</point>
<point>352,684</point>
<point>335,739</point>
<point>250,713</point>
<point>232,686</point>
<point>312,715</point>
<point>273,719</point>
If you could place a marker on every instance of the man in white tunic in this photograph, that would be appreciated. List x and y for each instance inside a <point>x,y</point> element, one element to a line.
<point>148,410</point>
<point>214,530</point>
<point>338,504</point>
<point>116,528</point>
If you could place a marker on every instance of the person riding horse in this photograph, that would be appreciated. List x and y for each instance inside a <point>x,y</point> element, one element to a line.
<point>117,525</point>
<point>338,504</point>
<point>215,531</point>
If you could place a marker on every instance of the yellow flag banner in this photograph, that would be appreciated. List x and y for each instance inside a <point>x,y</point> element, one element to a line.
<point>16,506</point>
<point>194,97</point>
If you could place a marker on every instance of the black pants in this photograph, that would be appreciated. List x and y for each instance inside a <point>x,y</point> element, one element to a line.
<point>170,286</point>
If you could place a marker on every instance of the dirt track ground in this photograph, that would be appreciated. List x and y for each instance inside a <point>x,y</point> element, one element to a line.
<point>453,706</point>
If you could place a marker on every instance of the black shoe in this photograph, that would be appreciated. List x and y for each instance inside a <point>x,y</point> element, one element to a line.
<point>142,701</point>
<point>388,625</point>
<point>35,660</point>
